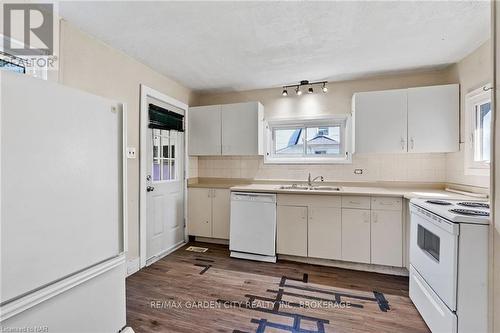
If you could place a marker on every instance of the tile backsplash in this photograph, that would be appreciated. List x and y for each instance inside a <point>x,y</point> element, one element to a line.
<point>375,167</point>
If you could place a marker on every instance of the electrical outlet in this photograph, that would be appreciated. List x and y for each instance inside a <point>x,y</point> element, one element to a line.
<point>131,152</point>
<point>358,171</point>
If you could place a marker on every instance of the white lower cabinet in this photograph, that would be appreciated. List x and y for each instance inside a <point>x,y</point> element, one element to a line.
<point>208,212</point>
<point>387,238</point>
<point>325,233</point>
<point>200,212</point>
<point>356,235</point>
<point>221,206</point>
<point>292,230</point>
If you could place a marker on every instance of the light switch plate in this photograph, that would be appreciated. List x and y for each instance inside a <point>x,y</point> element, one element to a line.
<point>358,171</point>
<point>131,152</point>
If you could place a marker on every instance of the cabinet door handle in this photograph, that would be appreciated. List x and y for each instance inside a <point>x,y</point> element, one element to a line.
<point>412,143</point>
<point>311,213</point>
<point>375,218</point>
<point>214,194</point>
<point>304,214</point>
<point>403,144</point>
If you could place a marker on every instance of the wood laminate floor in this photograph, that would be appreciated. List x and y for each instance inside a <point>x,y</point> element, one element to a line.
<point>211,292</point>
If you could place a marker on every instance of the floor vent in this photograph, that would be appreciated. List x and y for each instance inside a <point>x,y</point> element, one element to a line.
<point>197,249</point>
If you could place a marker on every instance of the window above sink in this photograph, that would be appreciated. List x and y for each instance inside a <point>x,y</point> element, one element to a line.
<point>309,141</point>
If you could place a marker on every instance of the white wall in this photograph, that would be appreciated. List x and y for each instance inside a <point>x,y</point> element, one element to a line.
<point>90,65</point>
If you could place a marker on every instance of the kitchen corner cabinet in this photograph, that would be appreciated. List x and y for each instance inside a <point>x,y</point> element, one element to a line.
<point>208,212</point>
<point>228,129</point>
<point>414,120</point>
<point>292,230</point>
<point>433,119</point>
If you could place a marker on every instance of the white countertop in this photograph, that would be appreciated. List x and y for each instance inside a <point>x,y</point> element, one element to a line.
<point>407,193</point>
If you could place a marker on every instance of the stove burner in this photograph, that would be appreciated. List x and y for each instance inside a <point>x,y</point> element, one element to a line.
<point>469,212</point>
<point>474,204</point>
<point>439,202</point>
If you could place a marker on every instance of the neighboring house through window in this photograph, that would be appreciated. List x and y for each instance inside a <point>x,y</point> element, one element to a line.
<point>321,140</point>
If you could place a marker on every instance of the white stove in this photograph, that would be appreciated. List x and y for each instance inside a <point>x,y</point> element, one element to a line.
<point>449,263</point>
<point>457,211</point>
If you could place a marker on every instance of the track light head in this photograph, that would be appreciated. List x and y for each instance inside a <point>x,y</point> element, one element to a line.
<point>325,88</point>
<point>298,91</point>
<point>310,90</point>
<point>285,92</point>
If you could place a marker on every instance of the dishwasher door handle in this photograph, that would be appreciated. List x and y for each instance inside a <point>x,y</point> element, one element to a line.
<point>265,197</point>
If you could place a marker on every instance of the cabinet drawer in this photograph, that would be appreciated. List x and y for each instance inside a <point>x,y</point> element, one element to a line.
<point>313,200</point>
<point>387,203</point>
<point>356,202</point>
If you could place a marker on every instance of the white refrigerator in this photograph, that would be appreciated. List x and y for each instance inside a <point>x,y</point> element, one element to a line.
<point>62,198</point>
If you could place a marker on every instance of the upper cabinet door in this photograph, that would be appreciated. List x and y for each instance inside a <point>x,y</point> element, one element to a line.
<point>380,121</point>
<point>204,130</point>
<point>433,119</point>
<point>240,132</point>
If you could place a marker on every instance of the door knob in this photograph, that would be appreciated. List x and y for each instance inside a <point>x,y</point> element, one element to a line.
<point>150,188</point>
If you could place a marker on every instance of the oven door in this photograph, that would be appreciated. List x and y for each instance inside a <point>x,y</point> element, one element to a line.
<point>434,253</point>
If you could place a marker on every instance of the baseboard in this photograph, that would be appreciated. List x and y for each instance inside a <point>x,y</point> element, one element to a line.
<point>400,271</point>
<point>212,240</point>
<point>133,265</point>
<point>174,248</point>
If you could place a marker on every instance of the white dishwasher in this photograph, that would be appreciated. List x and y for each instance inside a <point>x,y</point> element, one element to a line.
<point>253,226</point>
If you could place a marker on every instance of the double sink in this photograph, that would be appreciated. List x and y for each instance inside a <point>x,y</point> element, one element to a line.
<point>298,187</point>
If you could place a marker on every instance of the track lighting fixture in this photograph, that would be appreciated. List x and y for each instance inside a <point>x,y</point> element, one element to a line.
<point>310,90</point>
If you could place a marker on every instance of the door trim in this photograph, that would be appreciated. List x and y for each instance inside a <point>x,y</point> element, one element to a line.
<point>146,92</point>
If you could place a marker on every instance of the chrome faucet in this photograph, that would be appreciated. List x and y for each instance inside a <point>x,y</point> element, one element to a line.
<point>311,181</point>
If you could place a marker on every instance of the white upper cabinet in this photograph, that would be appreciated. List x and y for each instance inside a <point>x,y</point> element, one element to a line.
<point>240,128</point>
<point>229,129</point>
<point>433,119</point>
<point>204,129</point>
<point>415,120</point>
<point>380,121</point>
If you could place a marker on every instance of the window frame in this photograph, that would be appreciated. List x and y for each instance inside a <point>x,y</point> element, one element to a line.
<point>345,156</point>
<point>473,99</point>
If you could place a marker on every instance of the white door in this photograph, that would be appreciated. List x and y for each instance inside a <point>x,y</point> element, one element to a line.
<point>433,119</point>
<point>380,121</point>
<point>356,235</point>
<point>165,192</point>
<point>324,233</point>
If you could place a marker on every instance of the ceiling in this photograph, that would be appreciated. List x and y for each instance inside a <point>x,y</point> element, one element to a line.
<point>232,45</point>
